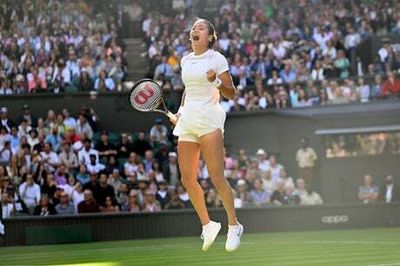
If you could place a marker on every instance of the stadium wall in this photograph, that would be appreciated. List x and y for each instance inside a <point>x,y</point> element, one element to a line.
<point>179,223</point>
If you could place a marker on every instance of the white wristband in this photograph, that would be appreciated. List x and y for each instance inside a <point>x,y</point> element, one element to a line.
<point>217,83</point>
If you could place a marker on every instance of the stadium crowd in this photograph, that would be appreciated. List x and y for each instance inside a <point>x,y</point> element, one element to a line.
<point>294,54</point>
<point>55,46</point>
<point>61,164</point>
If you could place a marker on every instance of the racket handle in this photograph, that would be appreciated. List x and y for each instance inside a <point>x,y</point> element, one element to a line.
<point>171,116</point>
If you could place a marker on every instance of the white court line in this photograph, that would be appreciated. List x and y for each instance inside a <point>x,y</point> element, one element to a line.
<point>367,242</point>
<point>386,264</point>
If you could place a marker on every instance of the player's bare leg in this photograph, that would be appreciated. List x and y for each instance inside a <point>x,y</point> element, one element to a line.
<point>212,149</point>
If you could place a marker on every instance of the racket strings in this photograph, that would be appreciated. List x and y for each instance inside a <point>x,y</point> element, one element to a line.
<point>146,103</point>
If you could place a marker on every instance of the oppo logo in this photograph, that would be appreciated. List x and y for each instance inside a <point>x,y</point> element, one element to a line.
<point>335,219</point>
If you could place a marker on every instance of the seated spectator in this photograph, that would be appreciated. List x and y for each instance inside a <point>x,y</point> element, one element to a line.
<point>212,199</point>
<point>68,158</point>
<point>94,165</point>
<point>82,176</point>
<point>300,189</point>
<point>125,147</point>
<point>141,145</point>
<point>115,180</point>
<point>30,193</point>
<point>158,133</point>
<point>390,190</point>
<point>391,87</point>
<point>174,202</point>
<point>77,196</point>
<point>65,207</point>
<point>109,206</point>
<point>133,204</point>
<point>131,166</point>
<point>122,197</point>
<point>104,147</point>
<point>162,195</point>
<point>44,208</point>
<point>88,205</point>
<point>258,196</point>
<point>104,190</point>
<point>363,91</point>
<point>368,192</point>
<point>311,197</point>
<point>150,202</point>
<point>242,195</point>
<point>104,83</point>
<point>183,195</point>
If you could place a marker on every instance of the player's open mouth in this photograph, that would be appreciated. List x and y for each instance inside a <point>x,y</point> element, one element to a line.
<point>195,38</point>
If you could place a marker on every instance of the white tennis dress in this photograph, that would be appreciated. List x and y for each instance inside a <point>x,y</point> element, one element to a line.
<point>201,112</point>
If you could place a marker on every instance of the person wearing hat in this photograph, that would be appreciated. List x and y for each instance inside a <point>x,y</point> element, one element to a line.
<point>262,158</point>
<point>171,169</point>
<point>159,132</point>
<point>105,148</point>
<point>26,115</point>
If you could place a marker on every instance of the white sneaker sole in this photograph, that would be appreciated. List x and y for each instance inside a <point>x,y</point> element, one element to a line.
<point>240,235</point>
<point>215,234</point>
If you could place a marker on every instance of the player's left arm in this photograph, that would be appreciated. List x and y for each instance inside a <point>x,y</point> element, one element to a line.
<point>223,82</point>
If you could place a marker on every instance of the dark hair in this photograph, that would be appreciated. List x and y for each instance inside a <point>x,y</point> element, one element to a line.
<point>211,31</point>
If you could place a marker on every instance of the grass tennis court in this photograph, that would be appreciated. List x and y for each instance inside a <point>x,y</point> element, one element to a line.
<point>377,247</point>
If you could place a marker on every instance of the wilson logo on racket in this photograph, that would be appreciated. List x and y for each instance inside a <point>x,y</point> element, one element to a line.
<point>143,96</point>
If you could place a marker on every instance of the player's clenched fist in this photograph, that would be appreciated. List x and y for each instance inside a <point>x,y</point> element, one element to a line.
<point>211,75</point>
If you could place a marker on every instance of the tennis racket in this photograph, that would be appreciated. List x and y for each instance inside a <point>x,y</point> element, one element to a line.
<point>147,96</point>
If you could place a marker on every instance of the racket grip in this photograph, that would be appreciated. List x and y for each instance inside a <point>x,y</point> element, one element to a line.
<point>172,117</point>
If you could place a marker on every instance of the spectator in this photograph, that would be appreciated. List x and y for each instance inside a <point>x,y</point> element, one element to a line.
<point>311,197</point>
<point>150,203</point>
<point>141,145</point>
<point>175,202</point>
<point>171,171</point>
<point>300,190</point>
<point>104,190</point>
<point>30,193</point>
<point>162,195</point>
<point>84,154</point>
<point>363,91</point>
<point>68,158</point>
<point>391,87</point>
<point>131,166</point>
<point>258,196</point>
<point>77,195</point>
<point>306,158</point>
<point>183,195</point>
<point>104,83</point>
<point>88,205</point>
<point>390,191</point>
<point>212,199</point>
<point>125,147</point>
<point>134,205</point>
<point>158,133</point>
<point>109,206</point>
<point>65,207</point>
<point>368,192</point>
<point>115,180</point>
<point>44,208</point>
<point>104,147</point>
<point>83,127</point>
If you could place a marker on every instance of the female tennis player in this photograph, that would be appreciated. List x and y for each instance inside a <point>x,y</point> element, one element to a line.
<point>200,128</point>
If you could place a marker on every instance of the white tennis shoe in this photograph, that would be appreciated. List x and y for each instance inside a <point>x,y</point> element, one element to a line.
<point>233,237</point>
<point>210,232</point>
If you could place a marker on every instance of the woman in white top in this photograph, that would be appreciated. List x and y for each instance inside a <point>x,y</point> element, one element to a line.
<point>200,128</point>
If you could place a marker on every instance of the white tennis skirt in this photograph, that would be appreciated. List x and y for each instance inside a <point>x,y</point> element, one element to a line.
<point>197,120</point>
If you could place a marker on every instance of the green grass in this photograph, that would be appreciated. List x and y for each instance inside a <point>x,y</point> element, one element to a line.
<point>346,247</point>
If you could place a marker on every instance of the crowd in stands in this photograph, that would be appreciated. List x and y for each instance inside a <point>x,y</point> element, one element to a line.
<point>62,164</point>
<point>290,54</point>
<point>56,46</point>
